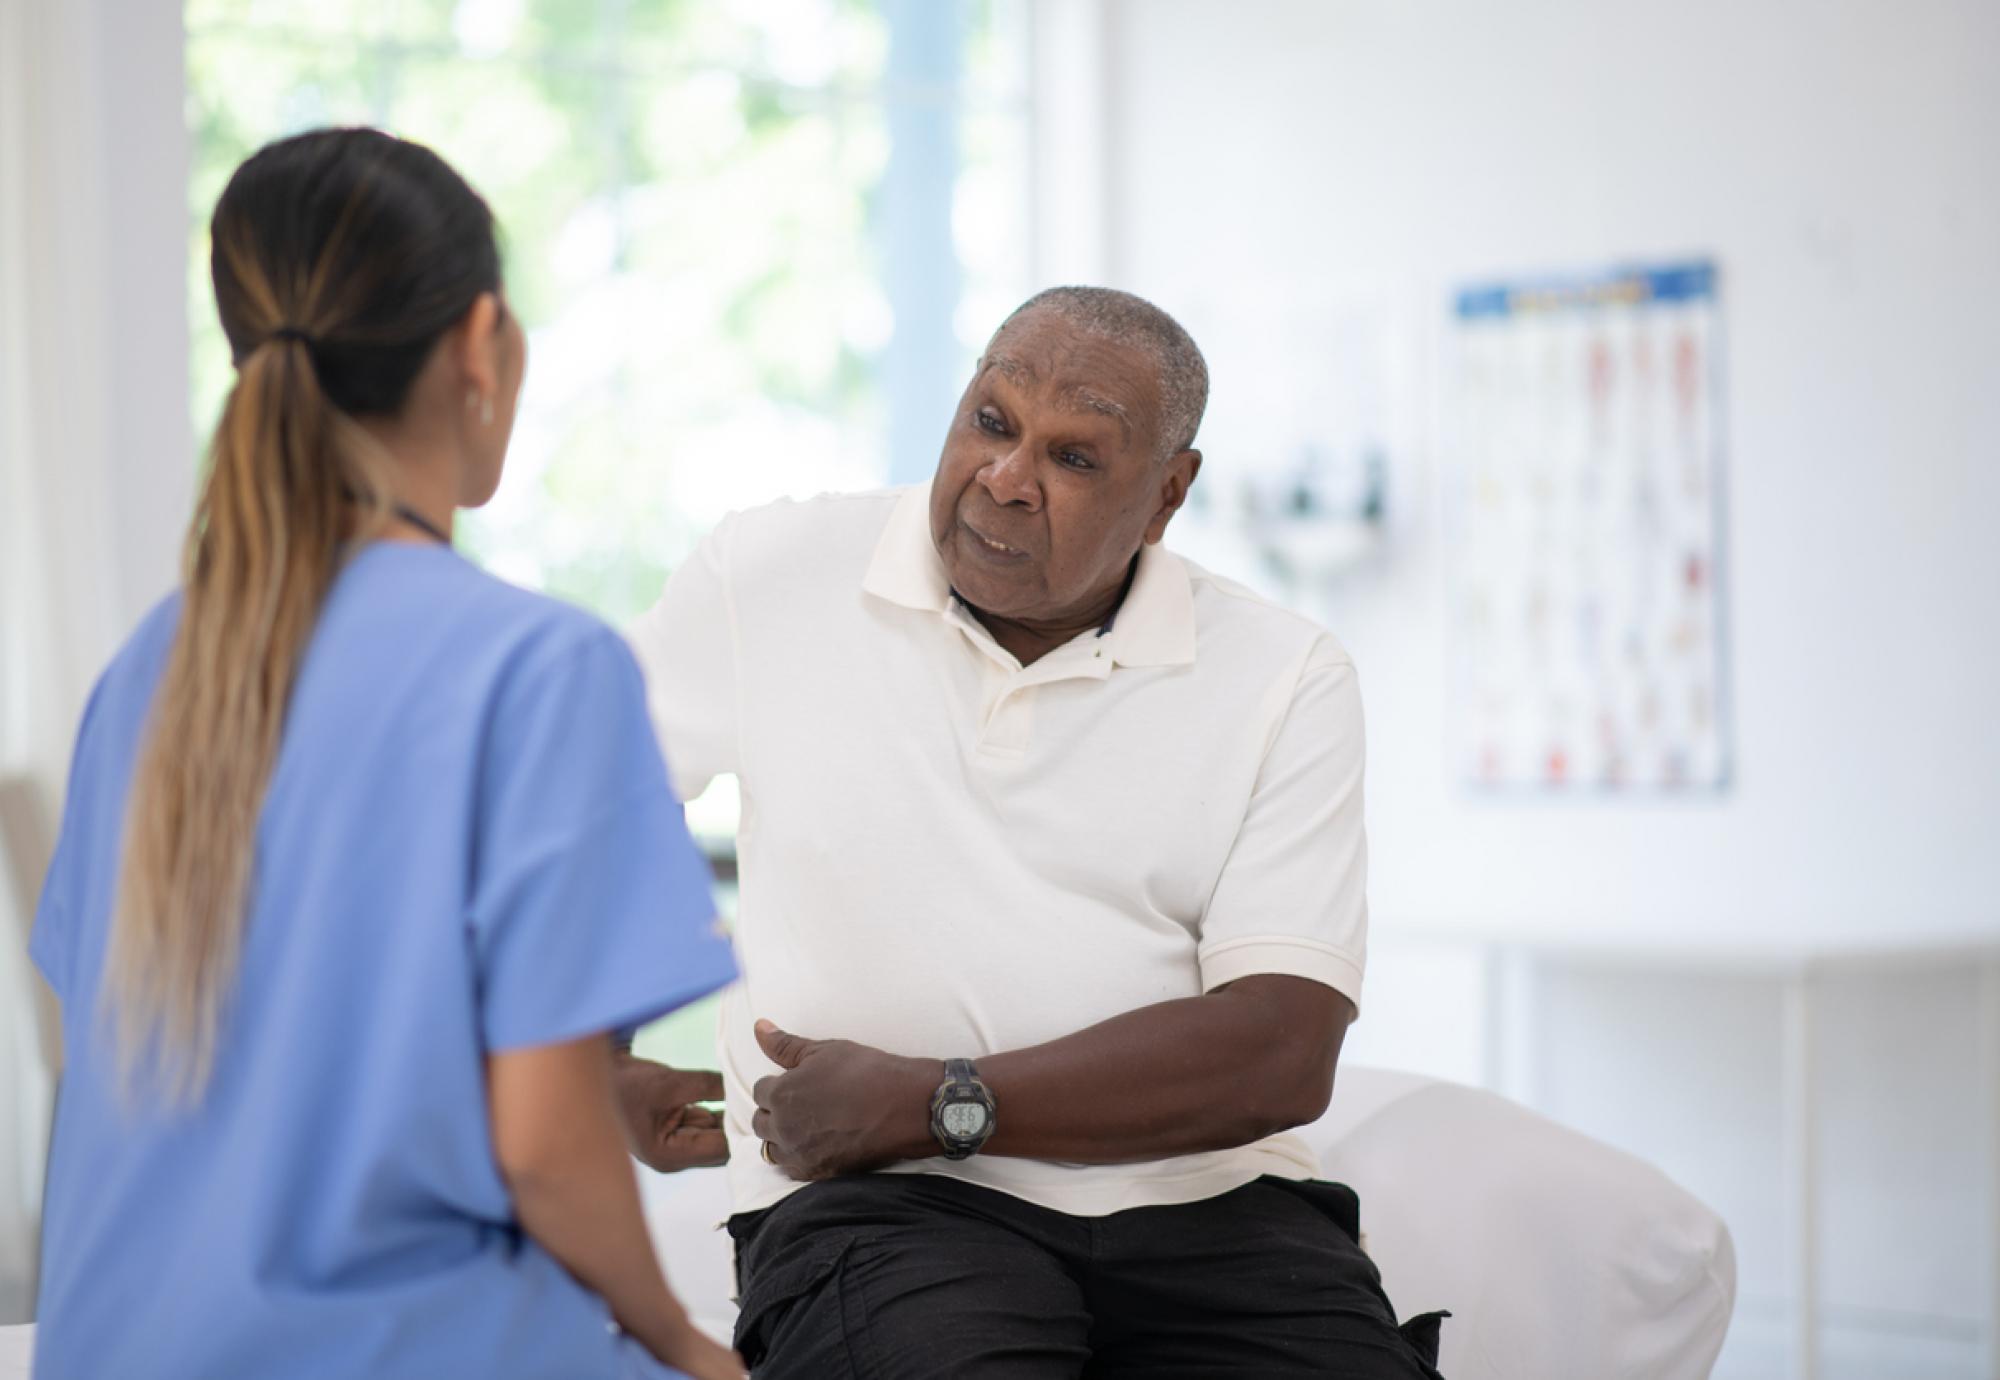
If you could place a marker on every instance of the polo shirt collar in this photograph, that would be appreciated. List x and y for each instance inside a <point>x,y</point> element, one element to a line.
<point>1154,626</point>
<point>906,569</point>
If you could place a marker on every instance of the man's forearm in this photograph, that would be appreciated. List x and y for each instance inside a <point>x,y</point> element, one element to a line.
<point>1177,1078</point>
<point>1202,1073</point>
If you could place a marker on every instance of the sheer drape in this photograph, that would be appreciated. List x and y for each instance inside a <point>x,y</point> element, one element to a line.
<point>94,456</point>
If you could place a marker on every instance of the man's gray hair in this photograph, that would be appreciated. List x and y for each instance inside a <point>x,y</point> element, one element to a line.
<point>1126,319</point>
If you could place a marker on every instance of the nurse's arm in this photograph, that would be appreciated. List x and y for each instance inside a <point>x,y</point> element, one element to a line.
<point>1245,1061</point>
<point>561,1148</point>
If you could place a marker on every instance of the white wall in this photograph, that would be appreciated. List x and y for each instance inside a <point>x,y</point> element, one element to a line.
<point>1281,170</point>
<point>1275,164</point>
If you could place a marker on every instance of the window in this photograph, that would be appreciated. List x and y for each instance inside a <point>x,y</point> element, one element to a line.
<point>755,243</point>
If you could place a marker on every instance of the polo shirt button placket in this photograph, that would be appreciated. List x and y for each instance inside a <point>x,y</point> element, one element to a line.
<point>1009,724</point>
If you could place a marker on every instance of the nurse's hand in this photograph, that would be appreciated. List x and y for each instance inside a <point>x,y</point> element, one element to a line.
<point>840,1107</point>
<point>669,1131</point>
<point>697,1356</point>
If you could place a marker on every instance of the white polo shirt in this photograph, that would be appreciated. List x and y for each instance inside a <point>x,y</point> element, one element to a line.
<point>946,854</point>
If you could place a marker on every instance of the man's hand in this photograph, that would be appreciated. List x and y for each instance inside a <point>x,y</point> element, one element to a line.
<point>668,1131</point>
<point>842,1108</point>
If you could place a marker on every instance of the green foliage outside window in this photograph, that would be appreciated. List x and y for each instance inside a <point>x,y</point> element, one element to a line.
<point>685,187</point>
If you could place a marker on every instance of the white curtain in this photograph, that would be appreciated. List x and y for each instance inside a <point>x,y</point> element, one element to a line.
<point>95,464</point>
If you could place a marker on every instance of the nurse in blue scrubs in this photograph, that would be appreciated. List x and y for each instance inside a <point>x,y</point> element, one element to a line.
<point>364,855</point>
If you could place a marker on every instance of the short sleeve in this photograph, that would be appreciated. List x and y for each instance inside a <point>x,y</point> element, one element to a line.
<point>591,908</point>
<point>53,940</point>
<point>686,645</point>
<point>1293,896</point>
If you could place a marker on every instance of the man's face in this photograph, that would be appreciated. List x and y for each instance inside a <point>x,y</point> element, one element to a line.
<point>1050,478</point>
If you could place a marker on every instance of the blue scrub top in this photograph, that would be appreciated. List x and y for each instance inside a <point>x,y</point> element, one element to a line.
<point>468,844</point>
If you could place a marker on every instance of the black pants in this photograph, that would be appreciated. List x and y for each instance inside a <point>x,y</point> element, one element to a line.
<point>901,1276</point>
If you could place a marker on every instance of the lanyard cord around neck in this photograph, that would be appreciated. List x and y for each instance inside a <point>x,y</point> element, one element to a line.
<point>422,524</point>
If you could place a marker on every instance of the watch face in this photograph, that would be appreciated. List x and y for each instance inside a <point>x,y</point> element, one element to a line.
<point>963,1120</point>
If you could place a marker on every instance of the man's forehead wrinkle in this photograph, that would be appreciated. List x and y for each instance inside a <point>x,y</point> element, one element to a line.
<point>1080,398</point>
<point>1097,402</point>
<point>1069,349</point>
<point>1083,370</point>
<point>1065,322</point>
<point>1019,370</point>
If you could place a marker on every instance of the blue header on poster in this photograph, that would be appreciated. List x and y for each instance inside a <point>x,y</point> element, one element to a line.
<point>1686,282</point>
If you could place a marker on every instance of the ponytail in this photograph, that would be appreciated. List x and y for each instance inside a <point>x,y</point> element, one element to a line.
<point>292,482</point>
<point>260,555</point>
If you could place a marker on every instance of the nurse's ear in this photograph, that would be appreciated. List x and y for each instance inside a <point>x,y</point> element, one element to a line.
<point>489,350</point>
<point>475,344</point>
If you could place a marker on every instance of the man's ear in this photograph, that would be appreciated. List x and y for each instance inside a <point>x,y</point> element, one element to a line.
<point>1176,478</point>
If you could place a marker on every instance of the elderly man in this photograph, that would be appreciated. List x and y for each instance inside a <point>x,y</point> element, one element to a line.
<point>1052,902</point>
